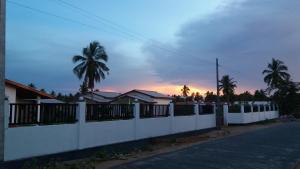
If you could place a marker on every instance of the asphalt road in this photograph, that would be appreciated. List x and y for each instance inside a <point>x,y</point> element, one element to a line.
<point>271,148</point>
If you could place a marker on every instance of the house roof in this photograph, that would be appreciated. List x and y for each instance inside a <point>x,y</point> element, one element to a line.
<point>152,94</point>
<point>144,95</point>
<point>96,98</point>
<point>107,94</point>
<point>27,88</point>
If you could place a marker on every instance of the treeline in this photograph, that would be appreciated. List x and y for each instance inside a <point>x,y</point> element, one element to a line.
<point>258,95</point>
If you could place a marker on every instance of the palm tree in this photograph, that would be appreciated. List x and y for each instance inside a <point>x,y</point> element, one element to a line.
<point>227,86</point>
<point>185,90</point>
<point>91,65</point>
<point>276,73</point>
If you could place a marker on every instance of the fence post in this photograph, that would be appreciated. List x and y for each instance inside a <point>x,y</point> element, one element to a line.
<point>6,113</point>
<point>136,118</point>
<point>171,111</point>
<point>196,111</point>
<point>225,110</point>
<point>38,110</point>
<point>80,115</point>
<point>251,108</point>
<point>243,112</point>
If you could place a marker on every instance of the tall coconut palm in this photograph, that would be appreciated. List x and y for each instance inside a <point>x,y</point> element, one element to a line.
<point>227,86</point>
<point>185,90</point>
<point>276,73</point>
<point>91,67</point>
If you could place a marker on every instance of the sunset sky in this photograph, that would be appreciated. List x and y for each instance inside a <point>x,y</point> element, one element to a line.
<point>152,45</point>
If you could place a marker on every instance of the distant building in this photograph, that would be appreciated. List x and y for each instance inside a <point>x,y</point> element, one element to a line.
<point>20,93</point>
<point>142,96</point>
<point>100,97</point>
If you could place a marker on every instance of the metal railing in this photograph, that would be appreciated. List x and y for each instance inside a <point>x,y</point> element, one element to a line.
<point>41,114</point>
<point>206,109</point>
<point>105,112</point>
<point>153,110</point>
<point>184,110</point>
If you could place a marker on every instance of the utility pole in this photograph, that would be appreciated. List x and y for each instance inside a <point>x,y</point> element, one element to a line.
<point>2,76</point>
<point>218,112</point>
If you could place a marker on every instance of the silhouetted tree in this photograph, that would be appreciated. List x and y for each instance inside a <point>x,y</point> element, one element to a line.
<point>91,67</point>
<point>185,91</point>
<point>83,88</point>
<point>246,96</point>
<point>276,73</point>
<point>228,86</point>
<point>287,96</point>
<point>52,93</point>
<point>210,97</point>
<point>198,97</point>
<point>32,85</point>
<point>260,95</point>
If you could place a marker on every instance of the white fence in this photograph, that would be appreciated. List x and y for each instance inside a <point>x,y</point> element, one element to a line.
<point>266,113</point>
<point>25,142</point>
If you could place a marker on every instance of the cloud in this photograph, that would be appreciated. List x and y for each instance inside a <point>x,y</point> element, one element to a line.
<point>244,36</point>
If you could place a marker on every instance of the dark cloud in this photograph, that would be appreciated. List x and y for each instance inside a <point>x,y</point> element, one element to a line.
<point>244,36</point>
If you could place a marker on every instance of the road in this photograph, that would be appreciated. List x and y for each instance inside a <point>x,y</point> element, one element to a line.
<point>277,147</point>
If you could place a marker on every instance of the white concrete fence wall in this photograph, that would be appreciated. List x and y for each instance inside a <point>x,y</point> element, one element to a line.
<point>250,117</point>
<point>31,141</point>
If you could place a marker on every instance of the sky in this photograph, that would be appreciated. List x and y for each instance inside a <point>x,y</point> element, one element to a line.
<point>152,45</point>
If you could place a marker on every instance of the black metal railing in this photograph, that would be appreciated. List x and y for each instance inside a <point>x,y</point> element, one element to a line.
<point>255,108</point>
<point>206,109</point>
<point>234,108</point>
<point>57,113</point>
<point>41,114</point>
<point>183,110</point>
<point>23,114</point>
<point>267,107</point>
<point>272,107</point>
<point>107,112</point>
<point>262,108</point>
<point>153,110</point>
<point>247,108</point>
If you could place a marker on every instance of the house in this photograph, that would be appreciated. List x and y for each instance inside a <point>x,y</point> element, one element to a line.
<point>20,93</point>
<point>142,96</point>
<point>100,97</point>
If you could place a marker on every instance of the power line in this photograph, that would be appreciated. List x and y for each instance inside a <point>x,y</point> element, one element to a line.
<point>93,27</point>
<point>123,29</point>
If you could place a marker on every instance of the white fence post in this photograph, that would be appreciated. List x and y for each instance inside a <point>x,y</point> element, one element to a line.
<point>136,118</point>
<point>171,111</point>
<point>251,108</point>
<point>6,113</point>
<point>39,110</point>
<point>225,110</point>
<point>196,111</point>
<point>243,112</point>
<point>80,115</point>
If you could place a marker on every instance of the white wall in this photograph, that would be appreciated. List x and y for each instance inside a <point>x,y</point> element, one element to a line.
<point>153,127</point>
<point>10,92</point>
<point>163,101</point>
<point>252,117</point>
<point>22,142</point>
<point>107,132</point>
<point>31,141</point>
